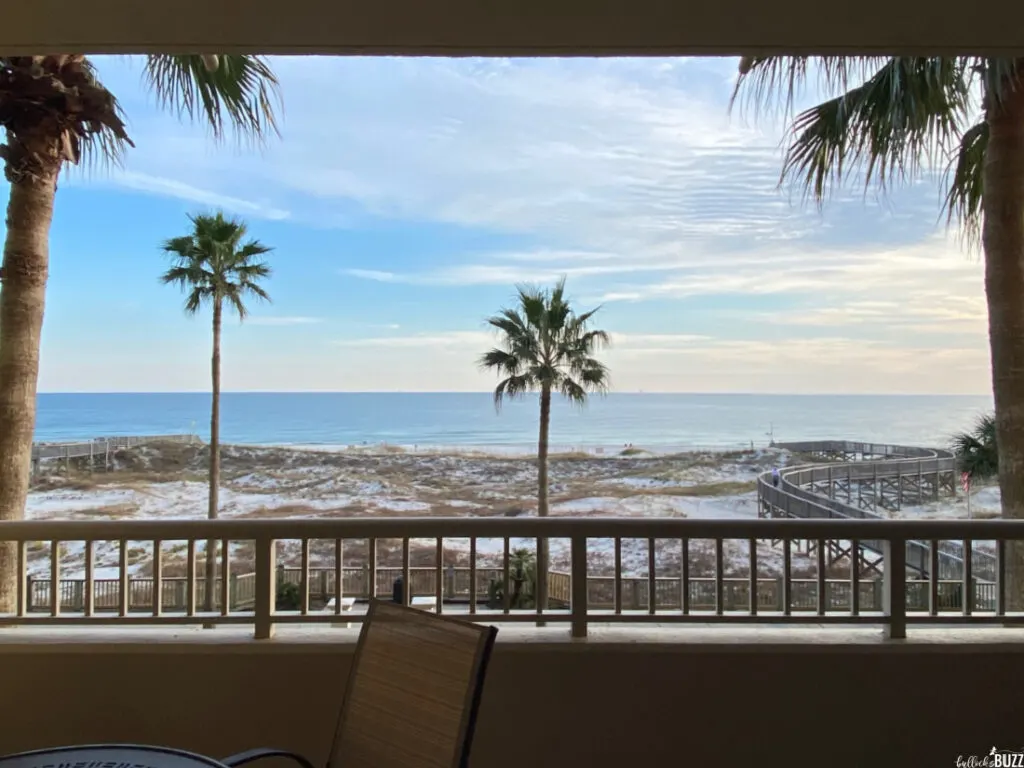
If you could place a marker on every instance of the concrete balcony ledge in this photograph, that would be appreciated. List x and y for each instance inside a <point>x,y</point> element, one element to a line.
<point>801,696</point>
<point>691,639</point>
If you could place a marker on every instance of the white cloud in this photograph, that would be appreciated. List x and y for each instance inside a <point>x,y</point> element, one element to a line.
<point>282,320</point>
<point>374,274</point>
<point>168,187</point>
<point>929,286</point>
<point>618,151</point>
<point>616,155</point>
<point>450,339</point>
<point>446,361</point>
<point>628,177</point>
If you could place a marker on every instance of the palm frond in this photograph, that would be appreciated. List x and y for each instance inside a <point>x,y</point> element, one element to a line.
<point>234,299</point>
<point>501,361</point>
<point>511,328</point>
<point>572,391</point>
<point>61,95</point>
<point>977,451</point>
<point>773,83</point>
<point>595,376</point>
<point>253,248</point>
<point>532,305</point>
<point>964,187</point>
<point>104,142</point>
<point>513,387</point>
<point>212,265</point>
<point>103,149</point>
<point>908,114</point>
<point>241,93</point>
<point>246,271</point>
<point>196,298</point>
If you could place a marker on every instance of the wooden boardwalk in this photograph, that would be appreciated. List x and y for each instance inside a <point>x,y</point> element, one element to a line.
<point>860,480</point>
<point>100,449</point>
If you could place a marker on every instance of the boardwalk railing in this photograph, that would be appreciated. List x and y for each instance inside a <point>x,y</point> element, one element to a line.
<point>798,496</point>
<point>678,585</point>
<point>100,448</point>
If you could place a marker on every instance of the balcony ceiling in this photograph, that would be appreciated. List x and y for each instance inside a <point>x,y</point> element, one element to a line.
<point>511,27</point>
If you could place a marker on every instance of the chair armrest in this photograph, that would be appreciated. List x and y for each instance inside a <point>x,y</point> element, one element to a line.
<point>252,755</point>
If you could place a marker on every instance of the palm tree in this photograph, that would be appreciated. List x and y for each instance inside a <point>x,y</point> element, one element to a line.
<point>894,119</point>
<point>55,110</point>
<point>216,265</point>
<point>522,572</point>
<point>545,346</point>
<point>976,451</point>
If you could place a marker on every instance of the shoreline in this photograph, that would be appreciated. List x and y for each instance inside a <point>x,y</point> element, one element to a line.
<point>517,451</point>
<point>512,450</point>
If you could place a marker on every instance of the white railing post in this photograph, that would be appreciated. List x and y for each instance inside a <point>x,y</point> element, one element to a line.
<point>895,588</point>
<point>543,568</point>
<point>266,588</point>
<point>578,607</point>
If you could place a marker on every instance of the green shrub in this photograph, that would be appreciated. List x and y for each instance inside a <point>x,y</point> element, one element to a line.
<point>289,598</point>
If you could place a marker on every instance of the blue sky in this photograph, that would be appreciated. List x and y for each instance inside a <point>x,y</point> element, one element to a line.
<point>406,198</point>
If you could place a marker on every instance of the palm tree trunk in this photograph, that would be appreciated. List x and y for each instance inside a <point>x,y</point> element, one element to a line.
<point>542,452</point>
<point>1003,238</point>
<point>22,300</point>
<point>211,545</point>
<point>542,496</point>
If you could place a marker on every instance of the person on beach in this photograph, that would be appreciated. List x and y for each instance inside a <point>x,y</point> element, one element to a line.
<point>775,476</point>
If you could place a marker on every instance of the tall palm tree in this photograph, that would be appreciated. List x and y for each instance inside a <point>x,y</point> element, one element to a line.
<point>55,110</point>
<point>977,451</point>
<point>896,119</point>
<point>216,265</point>
<point>546,347</point>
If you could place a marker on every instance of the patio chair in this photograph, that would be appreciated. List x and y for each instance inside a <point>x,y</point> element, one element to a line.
<point>411,702</point>
<point>412,694</point>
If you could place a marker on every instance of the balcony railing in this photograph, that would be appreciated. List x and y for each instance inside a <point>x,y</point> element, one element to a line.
<point>601,571</point>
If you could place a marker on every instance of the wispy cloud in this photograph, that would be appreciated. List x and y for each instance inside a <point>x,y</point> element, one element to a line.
<point>628,177</point>
<point>837,362</point>
<point>168,187</point>
<point>282,320</point>
<point>620,152</point>
<point>376,274</point>
<point>448,339</point>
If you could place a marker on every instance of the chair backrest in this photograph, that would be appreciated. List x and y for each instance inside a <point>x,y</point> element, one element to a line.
<point>413,692</point>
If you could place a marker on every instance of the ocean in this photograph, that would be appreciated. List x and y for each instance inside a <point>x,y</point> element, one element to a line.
<point>655,421</point>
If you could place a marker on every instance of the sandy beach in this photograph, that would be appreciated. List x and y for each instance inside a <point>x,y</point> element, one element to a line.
<point>168,481</point>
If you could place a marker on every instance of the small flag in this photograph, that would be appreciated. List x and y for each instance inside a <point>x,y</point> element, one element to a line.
<point>965,481</point>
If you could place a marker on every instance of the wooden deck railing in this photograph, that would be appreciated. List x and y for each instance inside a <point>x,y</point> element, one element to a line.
<point>600,591</point>
<point>577,594</point>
